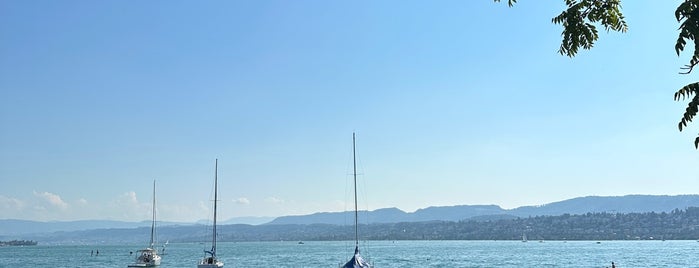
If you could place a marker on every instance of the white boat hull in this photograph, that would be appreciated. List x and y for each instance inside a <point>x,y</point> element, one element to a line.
<point>218,265</point>
<point>210,263</point>
<point>154,263</point>
<point>147,258</point>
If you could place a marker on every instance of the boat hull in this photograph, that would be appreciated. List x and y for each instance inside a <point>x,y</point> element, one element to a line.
<point>210,263</point>
<point>217,265</point>
<point>147,258</point>
<point>154,263</point>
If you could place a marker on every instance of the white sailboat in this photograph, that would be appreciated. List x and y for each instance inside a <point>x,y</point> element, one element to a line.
<point>212,261</point>
<point>148,257</point>
<point>356,261</point>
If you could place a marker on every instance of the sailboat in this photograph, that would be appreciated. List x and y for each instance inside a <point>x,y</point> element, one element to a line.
<point>211,261</point>
<point>356,261</point>
<point>149,257</point>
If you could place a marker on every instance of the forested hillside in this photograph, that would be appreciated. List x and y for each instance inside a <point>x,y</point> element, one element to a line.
<point>675,225</point>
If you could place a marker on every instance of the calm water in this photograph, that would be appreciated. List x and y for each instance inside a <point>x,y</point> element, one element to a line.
<point>382,253</point>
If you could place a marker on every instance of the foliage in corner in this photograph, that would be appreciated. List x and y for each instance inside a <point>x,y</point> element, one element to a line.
<point>578,22</point>
<point>579,31</point>
<point>578,28</point>
<point>687,14</point>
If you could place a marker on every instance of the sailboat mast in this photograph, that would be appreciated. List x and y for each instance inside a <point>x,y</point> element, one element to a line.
<point>354,174</point>
<point>152,226</point>
<point>213,243</point>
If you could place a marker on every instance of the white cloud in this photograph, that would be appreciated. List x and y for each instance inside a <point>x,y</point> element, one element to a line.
<point>274,200</point>
<point>52,199</point>
<point>127,207</point>
<point>9,203</point>
<point>203,207</point>
<point>242,201</point>
<point>82,202</point>
<point>129,197</point>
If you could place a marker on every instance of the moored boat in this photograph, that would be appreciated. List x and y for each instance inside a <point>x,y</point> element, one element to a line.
<point>356,261</point>
<point>212,261</point>
<point>148,257</point>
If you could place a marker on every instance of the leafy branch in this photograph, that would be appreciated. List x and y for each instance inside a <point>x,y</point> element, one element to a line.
<point>578,28</point>
<point>687,14</point>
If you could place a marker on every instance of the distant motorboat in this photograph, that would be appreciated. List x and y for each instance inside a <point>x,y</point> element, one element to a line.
<point>148,257</point>
<point>212,261</point>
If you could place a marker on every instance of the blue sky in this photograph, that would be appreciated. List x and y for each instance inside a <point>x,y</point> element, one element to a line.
<point>453,102</point>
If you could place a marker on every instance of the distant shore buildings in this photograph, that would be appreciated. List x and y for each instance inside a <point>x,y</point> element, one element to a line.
<point>18,243</point>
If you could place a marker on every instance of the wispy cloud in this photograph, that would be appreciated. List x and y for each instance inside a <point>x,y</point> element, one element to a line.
<point>129,197</point>
<point>274,200</point>
<point>126,206</point>
<point>10,203</point>
<point>53,199</point>
<point>242,201</point>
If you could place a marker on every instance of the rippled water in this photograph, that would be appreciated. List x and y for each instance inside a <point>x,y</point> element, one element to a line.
<point>382,253</point>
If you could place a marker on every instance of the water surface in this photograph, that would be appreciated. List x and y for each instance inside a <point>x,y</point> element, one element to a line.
<point>382,253</point>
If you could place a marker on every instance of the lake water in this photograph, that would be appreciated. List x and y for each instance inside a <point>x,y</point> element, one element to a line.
<point>382,253</point>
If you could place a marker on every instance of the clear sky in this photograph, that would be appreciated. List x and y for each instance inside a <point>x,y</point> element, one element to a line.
<point>454,103</point>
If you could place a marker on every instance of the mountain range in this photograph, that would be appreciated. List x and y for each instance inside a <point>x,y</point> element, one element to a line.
<point>20,227</point>
<point>592,204</point>
<point>580,205</point>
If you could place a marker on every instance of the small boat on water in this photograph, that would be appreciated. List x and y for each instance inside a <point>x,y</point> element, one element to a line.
<point>148,257</point>
<point>162,251</point>
<point>212,261</point>
<point>356,261</point>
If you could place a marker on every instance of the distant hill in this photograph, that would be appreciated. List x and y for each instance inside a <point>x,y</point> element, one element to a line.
<point>19,229</point>
<point>675,225</point>
<point>240,220</point>
<point>611,204</point>
<point>11,227</point>
<point>581,205</point>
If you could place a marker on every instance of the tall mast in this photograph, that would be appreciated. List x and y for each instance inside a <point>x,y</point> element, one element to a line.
<point>354,174</point>
<point>152,226</point>
<point>213,243</point>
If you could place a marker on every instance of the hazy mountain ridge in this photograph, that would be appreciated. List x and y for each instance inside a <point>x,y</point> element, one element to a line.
<point>580,205</point>
<point>19,229</point>
<point>675,225</point>
<point>12,227</point>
